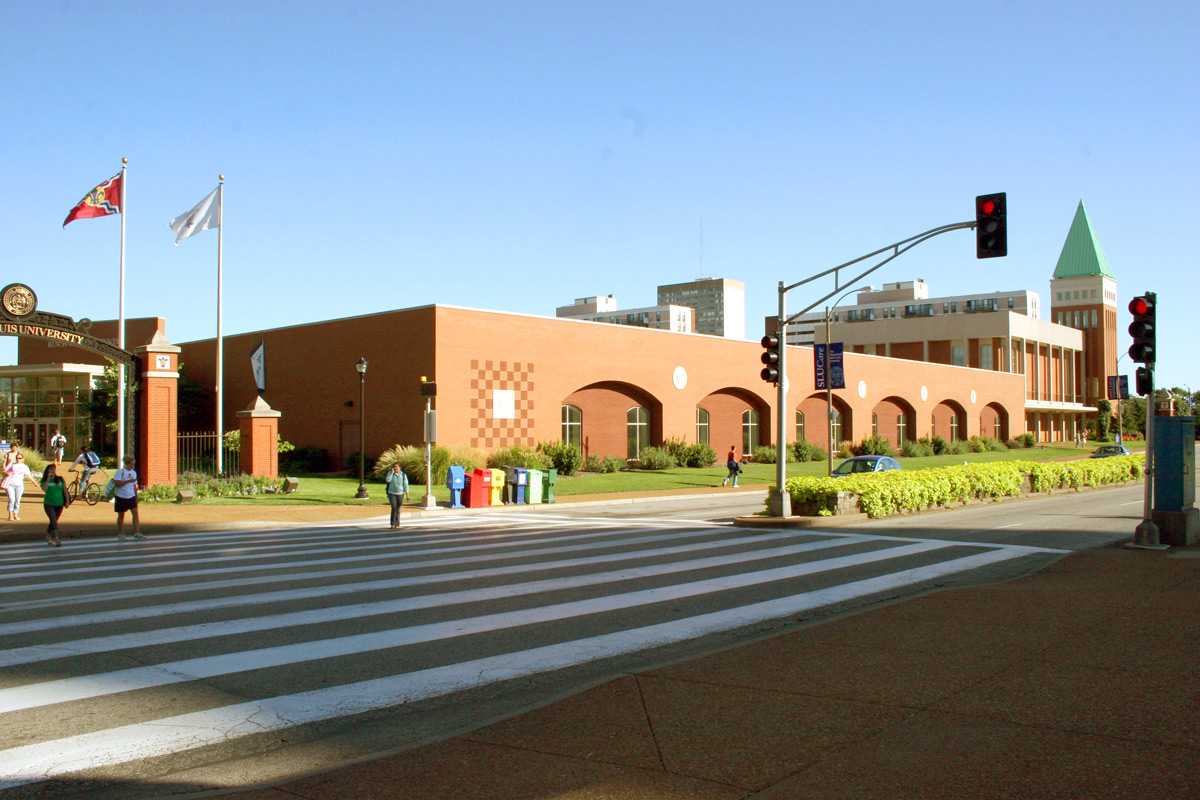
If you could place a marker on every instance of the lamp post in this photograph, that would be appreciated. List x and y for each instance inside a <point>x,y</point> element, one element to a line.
<point>361,366</point>
<point>829,379</point>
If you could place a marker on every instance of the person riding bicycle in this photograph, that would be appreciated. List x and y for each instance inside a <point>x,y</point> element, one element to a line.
<point>89,462</point>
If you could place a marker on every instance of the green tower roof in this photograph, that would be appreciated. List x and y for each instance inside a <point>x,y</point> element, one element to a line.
<point>1081,253</point>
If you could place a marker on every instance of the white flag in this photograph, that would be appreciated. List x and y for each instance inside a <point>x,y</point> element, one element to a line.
<point>203,216</point>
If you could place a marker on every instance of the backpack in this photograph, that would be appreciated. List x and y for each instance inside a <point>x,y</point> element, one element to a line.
<point>91,459</point>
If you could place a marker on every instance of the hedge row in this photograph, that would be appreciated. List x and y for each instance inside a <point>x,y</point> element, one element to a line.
<point>883,494</point>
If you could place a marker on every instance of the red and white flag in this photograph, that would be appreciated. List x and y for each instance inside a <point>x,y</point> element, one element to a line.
<point>105,199</point>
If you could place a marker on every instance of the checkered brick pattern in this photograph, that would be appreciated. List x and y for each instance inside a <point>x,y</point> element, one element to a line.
<point>488,433</point>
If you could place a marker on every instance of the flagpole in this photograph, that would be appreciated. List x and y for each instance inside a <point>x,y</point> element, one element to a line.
<point>220,341</point>
<point>121,320</point>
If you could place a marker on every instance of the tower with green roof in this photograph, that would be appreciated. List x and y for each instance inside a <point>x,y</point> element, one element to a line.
<point>1083,295</point>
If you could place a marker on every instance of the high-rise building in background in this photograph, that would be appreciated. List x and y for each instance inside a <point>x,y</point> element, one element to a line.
<point>720,304</point>
<point>1083,295</point>
<point>603,308</point>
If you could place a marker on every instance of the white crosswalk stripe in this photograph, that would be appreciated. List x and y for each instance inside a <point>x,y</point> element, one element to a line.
<point>387,619</point>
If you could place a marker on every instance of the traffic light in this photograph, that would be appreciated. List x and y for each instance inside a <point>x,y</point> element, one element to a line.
<point>770,359</point>
<point>1143,381</point>
<point>991,226</point>
<point>1142,329</point>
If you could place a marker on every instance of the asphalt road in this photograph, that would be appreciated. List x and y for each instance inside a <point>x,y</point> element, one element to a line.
<point>193,662</point>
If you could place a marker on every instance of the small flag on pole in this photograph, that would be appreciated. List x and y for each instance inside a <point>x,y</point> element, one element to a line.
<point>101,201</point>
<point>203,216</point>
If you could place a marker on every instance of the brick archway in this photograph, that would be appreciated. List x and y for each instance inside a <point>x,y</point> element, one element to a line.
<point>950,421</point>
<point>993,422</point>
<point>816,428</point>
<point>894,419</point>
<point>603,407</point>
<point>726,408</point>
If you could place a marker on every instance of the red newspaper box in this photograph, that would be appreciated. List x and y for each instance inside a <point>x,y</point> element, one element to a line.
<point>479,488</point>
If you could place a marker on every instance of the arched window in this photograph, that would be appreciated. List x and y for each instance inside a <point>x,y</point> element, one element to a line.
<point>749,430</point>
<point>572,426</point>
<point>954,427</point>
<point>637,431</point>
<point>800,437</point>
<point>701,425</point>
<point>901,429</point>
<point>997,430</point>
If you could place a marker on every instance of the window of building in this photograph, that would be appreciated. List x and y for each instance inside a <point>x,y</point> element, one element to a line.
<point>836,432</point>
<point>958,355</point>
<point>1094,322</point>
<point>996,430</point>
<point>954,427</point>
<point>985,355</point>
<point>1011,302</point>
<point>749,430</point>
<point>637,431</point>
<point>702,425</point>
<point>800,434</point>
<point>901,430</point>
<point>572,426</point>
<point>874,424</point>
<point>1076,324</point>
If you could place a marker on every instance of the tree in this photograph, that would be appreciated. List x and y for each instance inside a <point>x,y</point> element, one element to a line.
<point>103,407</point>
<point>1103,418</point>
<point>1133,416</point>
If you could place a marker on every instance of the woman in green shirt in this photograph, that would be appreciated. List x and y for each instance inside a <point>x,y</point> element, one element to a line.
<point>54,502</point>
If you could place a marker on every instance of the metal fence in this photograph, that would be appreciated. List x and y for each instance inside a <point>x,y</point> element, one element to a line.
<point>198,453</point>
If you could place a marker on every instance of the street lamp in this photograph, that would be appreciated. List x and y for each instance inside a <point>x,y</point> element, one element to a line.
<point>829,378</point>
<point>361,366</point>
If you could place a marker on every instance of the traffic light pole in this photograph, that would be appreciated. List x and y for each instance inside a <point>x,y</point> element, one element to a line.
<point>779,502</point>
<point>782,501</point>
<point>1146,533</point>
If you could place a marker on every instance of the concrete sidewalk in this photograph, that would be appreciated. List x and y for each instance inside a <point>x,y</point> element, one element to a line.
<point>1080,681</point>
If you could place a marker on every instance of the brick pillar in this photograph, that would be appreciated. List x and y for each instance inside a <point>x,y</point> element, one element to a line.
<point>158,413</point>
<point>259,426</point>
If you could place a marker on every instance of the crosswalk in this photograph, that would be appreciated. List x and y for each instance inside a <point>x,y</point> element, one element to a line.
<point>122,654</point>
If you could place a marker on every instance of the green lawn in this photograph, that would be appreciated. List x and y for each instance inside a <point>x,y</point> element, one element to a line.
<point>339,489</point>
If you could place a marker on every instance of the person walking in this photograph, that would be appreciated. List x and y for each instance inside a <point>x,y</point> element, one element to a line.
<point>58,443</point>
<point>54,503</point>
<point>125,499</point>
<point>397,487</point>
<point>16,472</point>
<point>731,464</point>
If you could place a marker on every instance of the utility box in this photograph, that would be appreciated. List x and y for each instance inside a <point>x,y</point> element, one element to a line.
<point>1175,513</point>
<point>535,486</point>
<point>1174,463</point>
<point>456,481</point>
<point>497,498</point>
<point>551,483</point>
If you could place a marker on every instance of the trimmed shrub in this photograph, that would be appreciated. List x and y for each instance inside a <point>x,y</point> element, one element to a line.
<point>677,448</point>
<point>806,451</point>
<point>976,444</point>
<point>845,450</point>
<point>882,494</point>
<point>603,465</point>
<point>937,444</point>
<point>918,449</point>
<point>874,445</point>
<point>518,457</point>
<point>1026,440</point>
<point>957,448</point>
<point>699,455</point>
<point>654,458</point>
<point>563,457</point>
<point>764,454</point>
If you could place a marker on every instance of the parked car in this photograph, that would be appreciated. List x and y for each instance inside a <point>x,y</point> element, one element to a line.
<point>860,464</point>
<point>1104,451</point>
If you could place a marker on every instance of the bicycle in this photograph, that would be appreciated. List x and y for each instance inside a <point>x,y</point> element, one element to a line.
<point>92,494</point>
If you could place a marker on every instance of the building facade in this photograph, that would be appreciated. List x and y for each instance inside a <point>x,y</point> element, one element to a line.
<point>680,319</point>
<point>720,304</point>
<point>611,390</point>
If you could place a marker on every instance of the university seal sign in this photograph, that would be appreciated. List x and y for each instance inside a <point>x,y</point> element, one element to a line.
<point>18,301</point>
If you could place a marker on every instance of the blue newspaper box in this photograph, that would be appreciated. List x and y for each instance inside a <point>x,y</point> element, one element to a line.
<point>456,481</point>
<point>522,485</point>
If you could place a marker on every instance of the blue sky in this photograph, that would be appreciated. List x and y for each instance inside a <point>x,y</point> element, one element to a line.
<point>517,157</point>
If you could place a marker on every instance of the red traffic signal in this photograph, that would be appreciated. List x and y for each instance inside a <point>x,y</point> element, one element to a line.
<point>1143,328</point>
<point>991,225</point>
<point>770,359</point>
